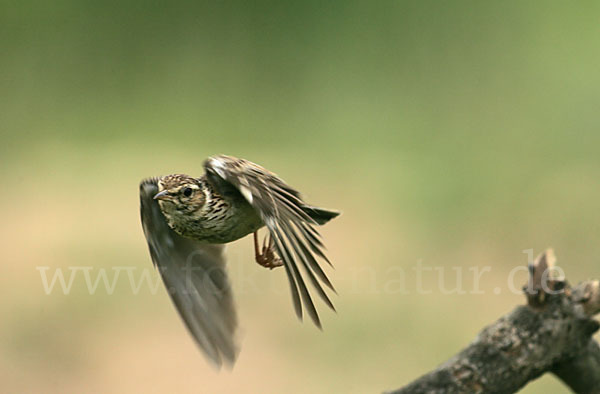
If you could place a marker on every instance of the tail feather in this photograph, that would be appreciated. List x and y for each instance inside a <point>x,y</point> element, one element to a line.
<point>320,215</point>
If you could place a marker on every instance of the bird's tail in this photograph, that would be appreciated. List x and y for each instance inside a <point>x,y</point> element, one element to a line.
<point>320,215</point>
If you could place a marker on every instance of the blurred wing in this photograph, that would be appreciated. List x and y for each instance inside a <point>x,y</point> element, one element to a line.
<point>284,213</point>
<point>194,275</point>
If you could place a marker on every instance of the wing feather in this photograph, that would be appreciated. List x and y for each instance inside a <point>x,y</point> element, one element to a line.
<point>288,259</point>
<point>310,259</point>
<point>195,277</point>
<point>300,253</point>
<point>285,214</point>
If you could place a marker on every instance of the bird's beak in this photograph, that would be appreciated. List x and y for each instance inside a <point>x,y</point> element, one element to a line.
<point>164,195</point>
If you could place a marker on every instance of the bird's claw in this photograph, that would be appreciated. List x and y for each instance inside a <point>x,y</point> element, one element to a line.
<point>267,257</point>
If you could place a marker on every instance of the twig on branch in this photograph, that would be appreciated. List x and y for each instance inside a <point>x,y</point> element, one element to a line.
<point>552,333</point>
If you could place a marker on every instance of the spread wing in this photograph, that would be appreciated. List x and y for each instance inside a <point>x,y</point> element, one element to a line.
<point>195,277</point>
<point>285,214</point>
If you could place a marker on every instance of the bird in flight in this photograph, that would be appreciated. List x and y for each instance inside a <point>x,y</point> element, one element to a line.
<point>188,220</point>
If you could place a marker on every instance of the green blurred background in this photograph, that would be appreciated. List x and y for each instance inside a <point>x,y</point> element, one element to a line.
<point>456,134</point>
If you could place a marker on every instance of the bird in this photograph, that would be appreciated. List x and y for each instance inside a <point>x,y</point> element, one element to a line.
<point>188,220</point>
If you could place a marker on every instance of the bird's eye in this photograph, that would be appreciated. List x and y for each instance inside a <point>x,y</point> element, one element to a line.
<point>187,192</point>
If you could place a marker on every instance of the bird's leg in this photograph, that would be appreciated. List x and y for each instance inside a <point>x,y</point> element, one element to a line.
<point>269,250</point>
<point>266,257</point>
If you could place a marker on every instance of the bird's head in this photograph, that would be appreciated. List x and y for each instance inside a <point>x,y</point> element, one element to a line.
<point>179,194</point>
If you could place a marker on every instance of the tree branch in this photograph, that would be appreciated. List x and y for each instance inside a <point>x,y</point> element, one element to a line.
<point>553,333</point>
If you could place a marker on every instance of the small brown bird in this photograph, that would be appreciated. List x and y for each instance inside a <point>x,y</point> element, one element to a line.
<point>187,220</point>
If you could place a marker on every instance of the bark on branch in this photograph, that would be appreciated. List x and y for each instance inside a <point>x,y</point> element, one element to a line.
<point>552,333</point>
